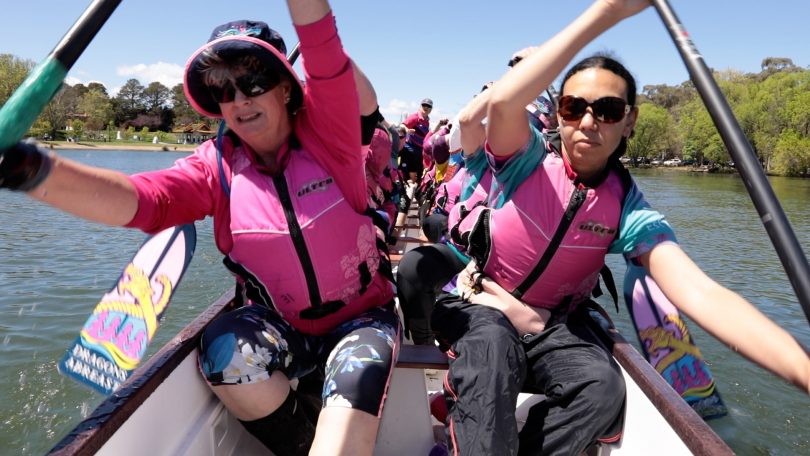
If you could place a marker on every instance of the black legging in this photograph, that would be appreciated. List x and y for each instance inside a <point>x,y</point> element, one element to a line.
<point>434,226</point>
<point>422,272</point>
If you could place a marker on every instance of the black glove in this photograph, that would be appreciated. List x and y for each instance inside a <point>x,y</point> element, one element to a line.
<point>23,166</point>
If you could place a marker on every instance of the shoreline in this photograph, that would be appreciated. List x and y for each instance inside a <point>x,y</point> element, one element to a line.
<point>160,147</point>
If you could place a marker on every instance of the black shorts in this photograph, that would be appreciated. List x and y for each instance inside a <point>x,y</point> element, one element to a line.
<point>410,161</point>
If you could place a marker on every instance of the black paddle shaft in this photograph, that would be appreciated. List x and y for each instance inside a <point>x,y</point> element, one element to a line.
<point>83,31</point>
<point>770,211</point>
<point>293,55</point>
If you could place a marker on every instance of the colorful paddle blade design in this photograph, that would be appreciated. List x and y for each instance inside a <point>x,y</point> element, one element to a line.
<point>115,338</point>
<point>667,344</point>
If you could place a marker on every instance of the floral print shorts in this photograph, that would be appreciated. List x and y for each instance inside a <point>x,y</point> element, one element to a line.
<point>356,359</point>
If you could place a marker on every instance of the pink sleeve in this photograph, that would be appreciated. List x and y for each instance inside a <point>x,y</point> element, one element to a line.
<point>186,192</point>
<point>329,124</point>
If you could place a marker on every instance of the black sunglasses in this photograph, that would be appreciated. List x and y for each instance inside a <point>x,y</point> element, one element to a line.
<point>251,85</point>
<point>606,109</point>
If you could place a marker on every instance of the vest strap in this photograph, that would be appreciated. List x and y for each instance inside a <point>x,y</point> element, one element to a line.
<point>577,198</point>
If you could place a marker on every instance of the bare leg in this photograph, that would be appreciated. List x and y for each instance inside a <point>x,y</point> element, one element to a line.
<point>254,400</point>
<point>345,431</point>
<point>401,219</point>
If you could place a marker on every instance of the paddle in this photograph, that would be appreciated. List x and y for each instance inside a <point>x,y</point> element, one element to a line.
<point>25,104</point>
<point>114,339</point>
<point>667,343</point>
<point>293,55</point>
<point>770,211</point>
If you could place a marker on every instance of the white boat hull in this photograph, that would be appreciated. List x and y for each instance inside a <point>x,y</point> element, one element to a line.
<point>167,409</point>
<point>184,418</point>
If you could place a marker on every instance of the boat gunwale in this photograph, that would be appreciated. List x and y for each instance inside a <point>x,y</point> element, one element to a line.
<point>696,434</point>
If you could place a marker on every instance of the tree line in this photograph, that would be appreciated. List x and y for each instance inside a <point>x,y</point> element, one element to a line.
<point>772,106</point>
<point>90,108</point>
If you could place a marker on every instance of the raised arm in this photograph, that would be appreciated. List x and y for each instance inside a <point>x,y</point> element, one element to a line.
<point>366,94</point>
<point>470,127</point>
<point>305,12</point>
<point>727,315</point>
<point>507,126</point>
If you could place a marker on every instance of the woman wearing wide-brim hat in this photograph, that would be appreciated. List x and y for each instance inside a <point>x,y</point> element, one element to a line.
<point>285,185</point>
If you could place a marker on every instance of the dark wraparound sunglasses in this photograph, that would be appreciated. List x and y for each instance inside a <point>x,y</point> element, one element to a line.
<point>606,109</point>
<point>251,85</point>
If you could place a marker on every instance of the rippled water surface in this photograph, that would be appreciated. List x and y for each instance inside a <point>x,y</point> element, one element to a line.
<point>54,269</point>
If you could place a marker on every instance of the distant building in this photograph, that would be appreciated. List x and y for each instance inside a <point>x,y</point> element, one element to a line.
<point>194,133</point>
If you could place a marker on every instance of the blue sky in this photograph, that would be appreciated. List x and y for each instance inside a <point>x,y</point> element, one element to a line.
<point>414,49</point>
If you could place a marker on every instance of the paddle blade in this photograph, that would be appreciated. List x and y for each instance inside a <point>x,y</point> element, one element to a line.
<point>667,344</point>
<point>115,338</point>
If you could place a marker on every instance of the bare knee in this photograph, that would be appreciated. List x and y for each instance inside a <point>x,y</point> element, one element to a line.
<point>252,401</point>
<point>345,431</point>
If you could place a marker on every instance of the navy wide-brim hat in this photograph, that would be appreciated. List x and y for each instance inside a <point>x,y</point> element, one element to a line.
<point>231,40</point>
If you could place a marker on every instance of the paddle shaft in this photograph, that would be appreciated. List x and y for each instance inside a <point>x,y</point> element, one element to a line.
<point>768,207</point>
<point>293,55</point>
<point>28,101</point>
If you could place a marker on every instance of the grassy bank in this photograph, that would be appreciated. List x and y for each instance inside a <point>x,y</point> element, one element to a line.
<point>118,145</point>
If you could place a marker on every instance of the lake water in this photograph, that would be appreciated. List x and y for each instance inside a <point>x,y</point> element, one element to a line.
<point>54,269</point>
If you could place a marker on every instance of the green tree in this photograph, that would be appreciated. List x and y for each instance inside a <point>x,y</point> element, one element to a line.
<point>14,71</point>
<point>155,97</point>
<point>184,114</point>
<point>78,129</point>
<point>97,106</point>
<point>796,104</point>
<point>772,108</point>
<point>129,102</point>
<point>63,106</point>
<point>792,154</point>
<point>776,63</point>
<point>55,114</point>
<point>79,90</point>
<point>98,87</point>
<point>654,135</point>
<point>698,134</point>
<point>669,97</point>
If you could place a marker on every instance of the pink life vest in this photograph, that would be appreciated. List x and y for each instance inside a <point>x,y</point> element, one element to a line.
<point>299,245</point>
<point>457,210</point>
<point>509,242</point>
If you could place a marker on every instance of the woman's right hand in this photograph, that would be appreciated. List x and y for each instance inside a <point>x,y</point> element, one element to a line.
<point>23,166</point>
<point>521,54</point>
